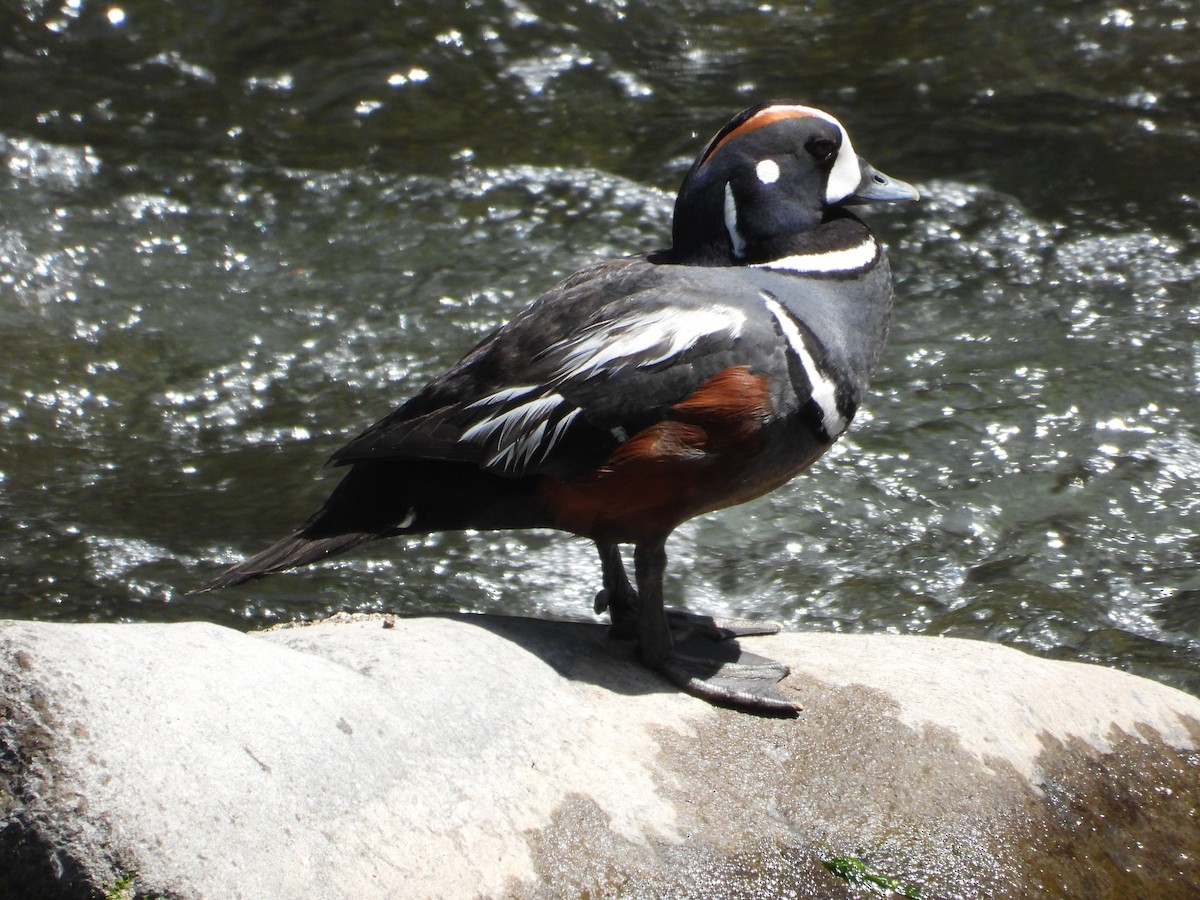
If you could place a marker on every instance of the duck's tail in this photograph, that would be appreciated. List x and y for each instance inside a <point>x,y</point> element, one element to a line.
<point>386,499</point>
<point>296,549</point>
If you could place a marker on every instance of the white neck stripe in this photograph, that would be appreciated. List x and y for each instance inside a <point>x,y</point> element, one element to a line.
<point>731,223</point>
<point>847,259</point>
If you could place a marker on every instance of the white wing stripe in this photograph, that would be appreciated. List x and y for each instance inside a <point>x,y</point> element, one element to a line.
<point>638,339</point>
<point>501,397</point>
<point>824,391</point>
<point>520,451</point>
<point>517,419</point>
<point>516,435</point>
<point>557,433</point>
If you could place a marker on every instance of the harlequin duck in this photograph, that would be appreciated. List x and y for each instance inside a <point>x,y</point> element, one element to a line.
<point>644,391</point>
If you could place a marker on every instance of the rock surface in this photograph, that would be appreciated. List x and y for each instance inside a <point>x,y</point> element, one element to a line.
<point>481,756</point>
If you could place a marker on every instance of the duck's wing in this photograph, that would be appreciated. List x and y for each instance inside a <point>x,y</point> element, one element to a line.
<point>563,385</point>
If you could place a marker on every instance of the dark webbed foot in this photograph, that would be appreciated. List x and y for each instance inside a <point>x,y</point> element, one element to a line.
<point>696,653</point>
<point>749,682</point>
<point>709,663</point>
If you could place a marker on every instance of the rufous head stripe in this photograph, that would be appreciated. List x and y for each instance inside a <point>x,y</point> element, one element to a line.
<point>766,116</point>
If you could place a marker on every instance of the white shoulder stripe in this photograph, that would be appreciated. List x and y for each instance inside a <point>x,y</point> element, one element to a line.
<point>824,391</point>
<point>848,259</point>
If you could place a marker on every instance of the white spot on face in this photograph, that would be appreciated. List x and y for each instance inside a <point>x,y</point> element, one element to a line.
<point>767,171</point>
<point>847,259</point>
<point>731,222</point>
<point>408,519</point>
<point>824,391</point>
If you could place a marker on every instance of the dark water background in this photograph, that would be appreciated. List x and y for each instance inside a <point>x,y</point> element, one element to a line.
<point>234,233</point>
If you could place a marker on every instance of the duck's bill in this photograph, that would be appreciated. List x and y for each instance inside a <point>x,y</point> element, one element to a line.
<point>875,187</point>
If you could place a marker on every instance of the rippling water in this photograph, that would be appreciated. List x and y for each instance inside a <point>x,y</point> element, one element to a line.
<point>236,233</point>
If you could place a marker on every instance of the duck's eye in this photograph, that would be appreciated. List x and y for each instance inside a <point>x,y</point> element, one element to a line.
<point>822,149</point>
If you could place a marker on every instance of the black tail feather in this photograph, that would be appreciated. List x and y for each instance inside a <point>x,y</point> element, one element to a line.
<point>294,550</point>
<point>379,499</point>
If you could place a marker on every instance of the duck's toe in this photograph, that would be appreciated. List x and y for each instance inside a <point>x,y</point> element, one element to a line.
<point>751,687</point>
<point>685,625</point>
<point>726,675</point>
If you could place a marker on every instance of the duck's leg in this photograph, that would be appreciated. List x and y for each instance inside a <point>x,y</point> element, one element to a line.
<point>621,600</point>
<point>715,671</point>
<point>655,646</point>
<point>618,595</point>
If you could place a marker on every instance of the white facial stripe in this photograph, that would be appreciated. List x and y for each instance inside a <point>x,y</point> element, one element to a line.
<point>645,340</point>
<point>848,259</point>
<point>824,391</point>
<point>731,222</point>
<point>767,171</point>
<point>846,173</point>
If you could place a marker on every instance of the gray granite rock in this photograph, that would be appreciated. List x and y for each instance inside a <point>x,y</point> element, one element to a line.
<point>479,756</point>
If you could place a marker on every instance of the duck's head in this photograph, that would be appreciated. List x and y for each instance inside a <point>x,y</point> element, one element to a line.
<point>774,172</point>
